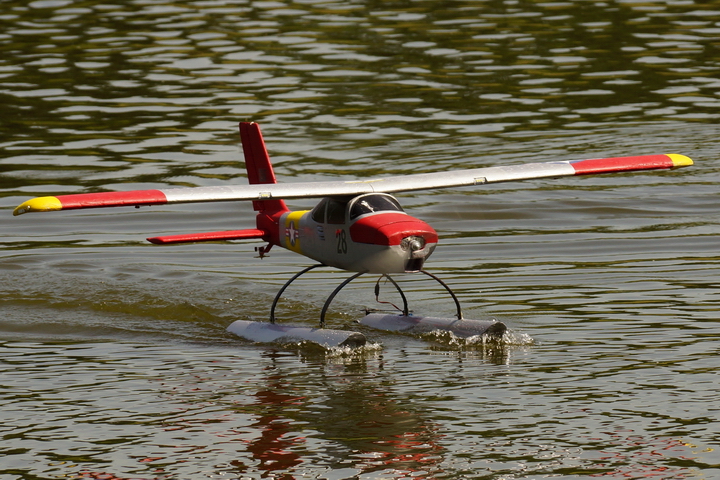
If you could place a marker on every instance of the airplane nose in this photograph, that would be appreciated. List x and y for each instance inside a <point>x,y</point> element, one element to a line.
<point>411,234</point>
<point>417,250</point>
<point>405,241</point>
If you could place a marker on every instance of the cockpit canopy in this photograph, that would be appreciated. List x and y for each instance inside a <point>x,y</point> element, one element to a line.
<point>335,210</point>
<point>373,202</point>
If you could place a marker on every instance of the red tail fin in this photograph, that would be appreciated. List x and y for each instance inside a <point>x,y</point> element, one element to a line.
<point>259,168</point>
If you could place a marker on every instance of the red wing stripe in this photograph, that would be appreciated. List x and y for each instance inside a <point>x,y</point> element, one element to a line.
<point>621,164</point>
<point>112,199</point>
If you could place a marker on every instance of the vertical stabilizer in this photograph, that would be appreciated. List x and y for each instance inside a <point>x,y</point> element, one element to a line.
<point>259,168</point>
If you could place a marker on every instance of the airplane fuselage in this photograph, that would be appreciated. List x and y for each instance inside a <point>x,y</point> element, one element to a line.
<point>369,233</point>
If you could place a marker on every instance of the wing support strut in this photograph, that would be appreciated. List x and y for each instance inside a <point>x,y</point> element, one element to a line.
<point>405,310</point>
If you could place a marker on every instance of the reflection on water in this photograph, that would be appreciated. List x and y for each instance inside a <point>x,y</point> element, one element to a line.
<point>116,363</point>
<point>371,428</point>
<point>179,412</point>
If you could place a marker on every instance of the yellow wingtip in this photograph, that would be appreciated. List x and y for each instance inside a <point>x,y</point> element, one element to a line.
<point>39,204</point>
<point>680,160</point>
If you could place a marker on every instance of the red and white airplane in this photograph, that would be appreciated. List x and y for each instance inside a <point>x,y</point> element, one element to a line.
<point>358,225</point>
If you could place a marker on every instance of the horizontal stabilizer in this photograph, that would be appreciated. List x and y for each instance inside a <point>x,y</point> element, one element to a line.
<point>208,236</point>
<point>404,183</point>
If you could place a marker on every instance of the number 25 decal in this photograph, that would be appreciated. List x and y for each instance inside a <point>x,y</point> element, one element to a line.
<point>341,236</point>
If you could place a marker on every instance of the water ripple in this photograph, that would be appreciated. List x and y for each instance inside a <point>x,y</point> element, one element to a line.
<point>116,360</point>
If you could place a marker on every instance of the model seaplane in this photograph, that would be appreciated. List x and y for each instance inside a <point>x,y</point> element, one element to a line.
<point>358,226</point>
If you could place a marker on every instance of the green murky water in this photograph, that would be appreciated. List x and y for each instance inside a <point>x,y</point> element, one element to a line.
<point>115,359</point>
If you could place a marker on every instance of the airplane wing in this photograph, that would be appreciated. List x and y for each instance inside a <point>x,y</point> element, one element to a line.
<point>394,184</point>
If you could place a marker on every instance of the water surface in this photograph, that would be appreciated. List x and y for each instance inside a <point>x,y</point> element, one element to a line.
<point>116,363</point>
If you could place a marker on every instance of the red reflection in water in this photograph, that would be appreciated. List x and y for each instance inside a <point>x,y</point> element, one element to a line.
<point>362,421</point>
<point>643,458</point>
<point>410,452</point>
<point>272,449</point>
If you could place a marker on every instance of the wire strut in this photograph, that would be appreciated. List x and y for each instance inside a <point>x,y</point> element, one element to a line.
<point>332,295</point>
<point>459,313</point>
<point>287,284</point>
<point>405,309</point>
<point>326,305</point>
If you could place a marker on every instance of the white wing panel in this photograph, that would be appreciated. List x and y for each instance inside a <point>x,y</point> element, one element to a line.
<point>265,191</point>
<point>476,176</point>
<point>407,183</point>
